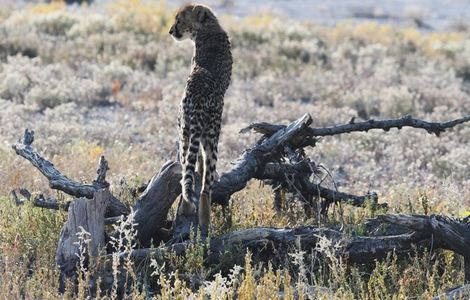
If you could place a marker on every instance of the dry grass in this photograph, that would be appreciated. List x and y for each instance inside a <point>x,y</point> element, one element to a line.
<point>109,81</point>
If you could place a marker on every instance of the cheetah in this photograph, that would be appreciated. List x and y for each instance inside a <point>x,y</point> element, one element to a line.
<point>200,113</point>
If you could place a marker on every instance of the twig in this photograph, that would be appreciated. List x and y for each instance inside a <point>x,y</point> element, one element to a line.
<point>50,203</point>
<point>38,200</point>
<point>111,220</point>
<point>15,199</point>
<point>277,172</point>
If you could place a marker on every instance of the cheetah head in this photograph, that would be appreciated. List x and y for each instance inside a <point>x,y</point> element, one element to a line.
<point>190,19</point>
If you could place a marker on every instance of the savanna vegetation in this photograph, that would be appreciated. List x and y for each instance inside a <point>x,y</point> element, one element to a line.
<point>108,79</point>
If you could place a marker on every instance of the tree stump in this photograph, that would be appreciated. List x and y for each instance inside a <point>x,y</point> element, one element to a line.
<point>85,218</point>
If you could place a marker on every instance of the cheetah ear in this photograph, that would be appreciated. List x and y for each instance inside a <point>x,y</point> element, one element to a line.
<point>200,13</point>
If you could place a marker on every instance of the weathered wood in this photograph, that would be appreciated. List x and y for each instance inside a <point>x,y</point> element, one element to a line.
<point>61,182</point>
<point>84,215</point>
<point>459,293</point>
<point>278,159</point>
<point>101,173</point>
<point>38,200</point>
<point>298,172</point>
<point>56,179</point>
<point>453,235</point>
<point>253,160</point>
<point>407,121</point>
<point>50,203</point>
<point>153,205</point>
<point>274,244</point>
<point>448,233</point>
<point>237,178</point>
<point>402,237</point>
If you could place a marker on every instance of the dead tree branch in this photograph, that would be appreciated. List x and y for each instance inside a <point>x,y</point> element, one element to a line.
<point>50,203</point>
<point>253,160</point>
<point>38,200</point>
<point>153,205</point>
<point>101,173</point>
<point>61,182</point>
<point>278,159</point>
<point>302,170</point>
<point>56,179</point>
<point>407,121</point>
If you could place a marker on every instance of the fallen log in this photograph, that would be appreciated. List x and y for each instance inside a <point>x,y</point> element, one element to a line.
<point>447,233</point>
<point>274,244</point>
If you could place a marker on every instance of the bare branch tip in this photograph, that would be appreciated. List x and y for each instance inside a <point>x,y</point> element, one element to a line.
<point>246,129</point>
<point>103,167</point>
<point>28,137</point>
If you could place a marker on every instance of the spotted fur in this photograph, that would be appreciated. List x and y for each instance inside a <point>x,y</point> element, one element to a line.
<point>202,104</point>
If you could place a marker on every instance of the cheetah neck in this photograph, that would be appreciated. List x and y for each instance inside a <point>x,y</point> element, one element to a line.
<point>212,49</point>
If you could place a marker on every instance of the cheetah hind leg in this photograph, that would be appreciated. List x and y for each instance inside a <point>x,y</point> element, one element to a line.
<point>204,213</point>
<point>200,163</point>
<point>209,147</point>
<point>185,221</point>
<point>187,208</point>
